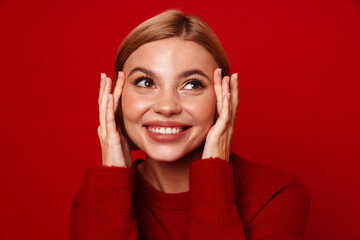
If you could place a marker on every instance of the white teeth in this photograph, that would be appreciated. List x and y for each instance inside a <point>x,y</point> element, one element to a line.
<point>165,131</point>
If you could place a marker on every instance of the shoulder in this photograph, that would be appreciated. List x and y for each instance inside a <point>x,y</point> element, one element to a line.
<point>250,175</point>
<point>261,188</point>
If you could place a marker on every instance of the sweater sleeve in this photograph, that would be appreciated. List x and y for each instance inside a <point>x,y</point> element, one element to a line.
<point>102,208</point>
<point>213,212</point>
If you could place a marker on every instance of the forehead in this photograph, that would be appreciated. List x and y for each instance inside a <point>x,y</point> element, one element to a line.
<point>171,55</point>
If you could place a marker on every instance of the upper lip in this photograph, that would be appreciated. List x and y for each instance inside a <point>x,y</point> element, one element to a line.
<point>170,124</point>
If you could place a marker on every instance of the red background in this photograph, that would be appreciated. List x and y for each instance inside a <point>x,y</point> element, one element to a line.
<point>299,67</point>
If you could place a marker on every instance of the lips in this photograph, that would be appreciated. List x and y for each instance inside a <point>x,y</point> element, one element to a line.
<point>166,132</point>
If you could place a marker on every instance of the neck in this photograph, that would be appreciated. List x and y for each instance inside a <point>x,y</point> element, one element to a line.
<point>169,177</point>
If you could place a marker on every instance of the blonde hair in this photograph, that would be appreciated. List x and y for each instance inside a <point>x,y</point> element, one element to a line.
<point>171,23</point>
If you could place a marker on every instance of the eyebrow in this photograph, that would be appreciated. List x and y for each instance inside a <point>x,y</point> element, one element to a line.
<point>144,70</point>
<point>182,75</point>
<point>194,72</point>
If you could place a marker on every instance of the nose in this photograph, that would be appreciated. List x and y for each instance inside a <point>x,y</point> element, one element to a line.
<point>167,103</point>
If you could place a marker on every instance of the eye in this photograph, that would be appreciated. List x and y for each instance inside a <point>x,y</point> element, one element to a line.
<point>145,82</point>
<point>194,85</point>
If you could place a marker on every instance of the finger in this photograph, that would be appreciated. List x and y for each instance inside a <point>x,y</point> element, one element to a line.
<point>234,89</point>
<point>98,131</point>
<point>225,86</point>
<point>110,117</point>
<point>223,120</point>
<point>102,84</point>
<point>118,89</point>
<point>217,88</point>
<point>225,116</point>
<point>102,106</point>
<point>226,93</point>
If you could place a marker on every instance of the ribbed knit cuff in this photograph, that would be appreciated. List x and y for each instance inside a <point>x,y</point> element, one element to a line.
<point>212,181</point>
<point>213,213</point>
<point>105,195</point>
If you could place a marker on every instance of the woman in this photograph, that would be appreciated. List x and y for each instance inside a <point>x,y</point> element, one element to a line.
<point>174,99</point>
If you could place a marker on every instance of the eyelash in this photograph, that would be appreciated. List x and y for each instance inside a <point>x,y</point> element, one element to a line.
<point>195,80</point>
<point>200,82</point>
<point>137,81</point>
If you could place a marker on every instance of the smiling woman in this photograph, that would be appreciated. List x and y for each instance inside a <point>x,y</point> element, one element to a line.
<point>173,98</point>
<point>169,89</point>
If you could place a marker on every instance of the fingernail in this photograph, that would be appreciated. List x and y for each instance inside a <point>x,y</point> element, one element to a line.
<point>119,74</point>
<point>102,75</point>
<point>220,71</point>
<point>227,79</point>
<point>236,76</point>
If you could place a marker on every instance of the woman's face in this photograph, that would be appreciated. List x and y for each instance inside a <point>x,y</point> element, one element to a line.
<point>168,100</point>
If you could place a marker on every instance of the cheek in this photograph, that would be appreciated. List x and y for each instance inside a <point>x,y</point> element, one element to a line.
<point>133,107</point>
<point>203,110</point>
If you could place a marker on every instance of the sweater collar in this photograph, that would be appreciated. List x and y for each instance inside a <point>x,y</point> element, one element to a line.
<point>161,200</point>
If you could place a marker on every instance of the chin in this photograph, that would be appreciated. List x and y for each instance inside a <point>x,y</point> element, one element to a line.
<point>165,155</point>
<point>169,153</point>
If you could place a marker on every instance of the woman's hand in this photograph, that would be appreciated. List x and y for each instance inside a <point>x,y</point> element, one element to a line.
<point>114,146</point>
<point>218,140</point>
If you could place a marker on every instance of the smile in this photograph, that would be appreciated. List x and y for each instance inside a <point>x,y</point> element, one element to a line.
<point>165,131</point>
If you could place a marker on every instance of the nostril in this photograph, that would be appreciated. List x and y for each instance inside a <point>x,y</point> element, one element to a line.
<point>167,106</point>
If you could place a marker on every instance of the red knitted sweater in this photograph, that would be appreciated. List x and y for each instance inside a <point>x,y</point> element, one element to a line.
<point>236,200</point>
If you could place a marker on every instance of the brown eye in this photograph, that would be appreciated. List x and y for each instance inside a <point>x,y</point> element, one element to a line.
<point>145,82</point>
<point>194,85</point>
